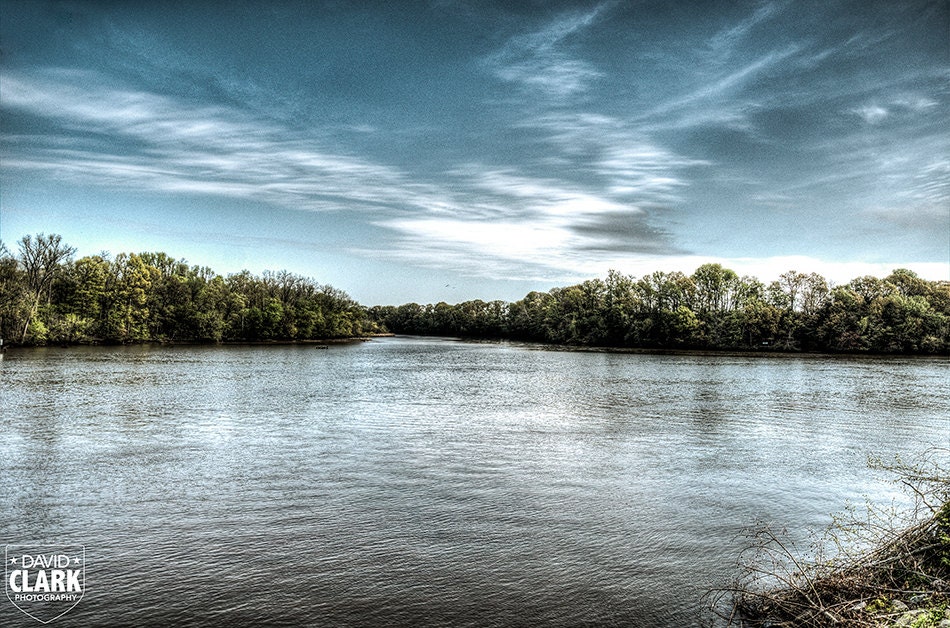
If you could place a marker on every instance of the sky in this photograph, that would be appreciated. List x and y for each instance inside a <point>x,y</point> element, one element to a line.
<point>452,150</point>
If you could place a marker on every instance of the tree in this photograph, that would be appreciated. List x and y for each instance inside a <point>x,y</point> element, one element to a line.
<point>714,288</point>
<point>41,260</point>
<point>619,306</point>
<point>526,317</point>
<point>14,300</point>
<point>130,287</point>
<point>759,322</point>
<point>80,294</point>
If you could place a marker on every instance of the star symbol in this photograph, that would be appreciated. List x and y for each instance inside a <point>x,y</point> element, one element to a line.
<point>13,560</point>
<point>75,561</point>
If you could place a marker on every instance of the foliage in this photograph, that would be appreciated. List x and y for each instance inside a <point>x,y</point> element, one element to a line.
<point>47,297</point>
<point>713,308</point>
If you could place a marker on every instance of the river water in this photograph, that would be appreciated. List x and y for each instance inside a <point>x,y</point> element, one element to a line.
<point>411,481</point>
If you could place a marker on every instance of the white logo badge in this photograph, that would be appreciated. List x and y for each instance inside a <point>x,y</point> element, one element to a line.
<point>45,581</point>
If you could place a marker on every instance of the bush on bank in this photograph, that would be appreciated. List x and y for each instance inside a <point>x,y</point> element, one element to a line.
<point>884,572</point>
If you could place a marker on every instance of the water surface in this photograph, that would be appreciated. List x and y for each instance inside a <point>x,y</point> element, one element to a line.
<point>411,481</point>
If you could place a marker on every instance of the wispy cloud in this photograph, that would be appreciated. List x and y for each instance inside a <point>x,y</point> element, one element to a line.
<point>553,248</point>
<point>521,224</point>
<point>503,213</point>
<point>623,135</point>
<point>724,43</point>
<point>902,104</point>
<point>625,160</point>
<point>605,207</point>
<point>541,61</point>
<point>872,114</point>
<point>554,256</point>
<point>163,144</point>
<point>754,66</point>
<point>720,98</point>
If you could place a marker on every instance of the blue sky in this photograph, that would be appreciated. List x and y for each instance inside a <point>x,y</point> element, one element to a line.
<point>449,150</point>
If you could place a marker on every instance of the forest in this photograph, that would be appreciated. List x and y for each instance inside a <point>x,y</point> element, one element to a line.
<point>48,297</point>
<point>712,309</point>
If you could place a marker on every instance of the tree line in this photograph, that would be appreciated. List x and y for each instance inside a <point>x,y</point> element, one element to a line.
<point>713,308</point>
<point>48,297</point>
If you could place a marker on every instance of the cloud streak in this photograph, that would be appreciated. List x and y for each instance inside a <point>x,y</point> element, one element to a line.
<point>515,142</point>
<point>165,145</point>
<point>540,61</point>
<point>505,213</point>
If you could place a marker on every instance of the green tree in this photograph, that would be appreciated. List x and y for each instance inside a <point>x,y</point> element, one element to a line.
<point>130,284</point>
<point>42,260</point>
<point>14,299</point>
<point>526,318</point>
<point>715,287</point>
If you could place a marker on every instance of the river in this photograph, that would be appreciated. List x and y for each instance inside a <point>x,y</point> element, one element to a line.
<point>422,481</point>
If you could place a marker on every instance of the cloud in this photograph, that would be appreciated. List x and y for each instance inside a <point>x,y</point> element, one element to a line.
<point>934,218</point>
<point>530,226</point>
<point>630,164</point>
<point>559,179</point>
<point>724,43</point>
<point>719,99</point>
<point>537,196</point>
<point>904,105</point>
<point>872,114</point>
<point>558,257</point>
<point>499,249</point>
<point>838,272</point>
<point>163,144</point>
<point>629,233</point>
<point>883,167</point>
<point>481,216</point>
<point>540,61</point>
<point>761,64</point>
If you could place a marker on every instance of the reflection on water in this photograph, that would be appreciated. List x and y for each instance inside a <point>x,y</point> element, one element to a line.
<point>422,481</point>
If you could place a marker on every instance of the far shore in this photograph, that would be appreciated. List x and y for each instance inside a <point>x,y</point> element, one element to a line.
<point>325,342</point>
<point>770,352</point>
<point>193,343</point>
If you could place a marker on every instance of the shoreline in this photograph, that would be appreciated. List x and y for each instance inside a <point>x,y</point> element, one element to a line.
<point>733,352</point>
<point>901,581</point>
<point>538,346</point>
<point>196,343</point>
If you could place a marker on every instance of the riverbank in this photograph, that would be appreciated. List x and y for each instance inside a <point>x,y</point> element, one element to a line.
<point>193,343</point>
<point>316,341</point>
<point>903,580</point>
<point>732,352</point>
